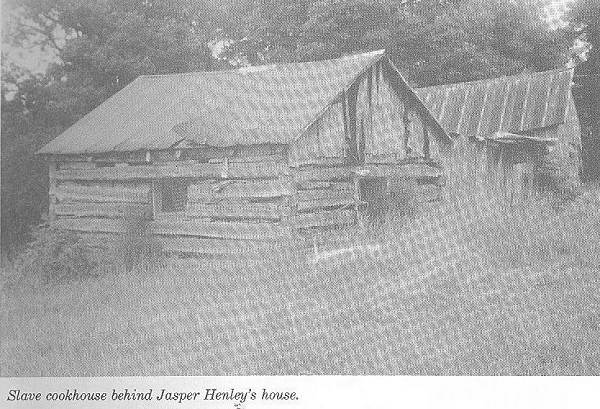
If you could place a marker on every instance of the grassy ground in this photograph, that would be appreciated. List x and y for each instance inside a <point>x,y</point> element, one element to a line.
<point>466,290</point>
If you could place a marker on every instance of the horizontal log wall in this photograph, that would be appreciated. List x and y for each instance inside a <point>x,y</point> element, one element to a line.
<point>248,170</point>
<point>237,200</point>
<point>235,204</point>
<point>328,197</point>
<point>76,199</point>
<point>325,195</point>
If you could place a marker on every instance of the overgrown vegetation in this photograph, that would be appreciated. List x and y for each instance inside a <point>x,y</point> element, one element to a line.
<point>136,248</point>
<point>54,256</point>
<point>559,187</point>
<point>471,286</point>
<point>584,18</point>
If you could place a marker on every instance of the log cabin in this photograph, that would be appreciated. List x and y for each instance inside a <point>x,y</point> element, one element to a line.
<point>233,161</point>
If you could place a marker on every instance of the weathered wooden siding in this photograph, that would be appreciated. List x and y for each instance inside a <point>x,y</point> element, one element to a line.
<point>237,200</point>
<point>487,167</point>
<point>81,199</point>
<point>392,127</point>
<point>565,156</point>
<point>233,205</point>
<point>325,196</point>
<point>369,125</point>
<point>370,117</point>
<point>387,126</point>
<point>325,138</point>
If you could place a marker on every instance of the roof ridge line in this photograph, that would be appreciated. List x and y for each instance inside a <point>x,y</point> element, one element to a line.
<point>273,65</point>
<point>338,94</point>
<point>519,75</point>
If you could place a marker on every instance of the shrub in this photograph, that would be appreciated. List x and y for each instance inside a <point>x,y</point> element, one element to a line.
<point>56,256</point>
<point>556,182</point>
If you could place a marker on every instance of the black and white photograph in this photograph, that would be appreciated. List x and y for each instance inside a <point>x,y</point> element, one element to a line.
<point>299,187</point>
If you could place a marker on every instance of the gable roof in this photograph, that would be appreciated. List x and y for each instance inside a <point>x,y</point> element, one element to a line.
<point>260,104</point>
<point>513,104</point>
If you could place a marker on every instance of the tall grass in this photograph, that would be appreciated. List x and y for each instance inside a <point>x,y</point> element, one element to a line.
<point>484,220</point>
<point>473,285</point>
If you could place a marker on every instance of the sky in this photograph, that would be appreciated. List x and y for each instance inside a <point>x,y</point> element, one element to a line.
<point>37,60</point>
<point>554,11</point>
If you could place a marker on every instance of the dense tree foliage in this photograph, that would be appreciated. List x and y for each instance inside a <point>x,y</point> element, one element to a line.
<point>585,24</point>
<point>432,41</point>
<point>101,45</point>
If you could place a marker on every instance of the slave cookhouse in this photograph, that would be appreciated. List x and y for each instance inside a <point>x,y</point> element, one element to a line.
<point>220,161</point>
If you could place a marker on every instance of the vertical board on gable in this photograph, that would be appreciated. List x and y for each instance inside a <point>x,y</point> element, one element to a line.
<point>324,139</point>
<point>387,126</point>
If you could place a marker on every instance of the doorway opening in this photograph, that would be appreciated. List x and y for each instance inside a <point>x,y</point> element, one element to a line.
<point>374,192</point>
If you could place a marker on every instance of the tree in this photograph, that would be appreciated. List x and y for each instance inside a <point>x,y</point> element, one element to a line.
<point>584,20</point>
<point>432,41</point>
<point>24,178</point>
<point>100,46</point>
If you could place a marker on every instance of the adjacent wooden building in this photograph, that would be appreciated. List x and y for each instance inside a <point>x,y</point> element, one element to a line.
<point>232,161</point>
<point>519,130</point>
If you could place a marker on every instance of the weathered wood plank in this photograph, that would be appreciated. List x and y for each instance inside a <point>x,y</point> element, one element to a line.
<point>232,209</point>
<point>210,191</point>
<point>111,210</point>
<point>205,153</point>
<point>72,192</point>
<point>415,170</point>
<point>259,158</point>
<point>179,170</point>
<point>183,244</point>
<point>346,192</point>
<point>109,157</point>
<point>77,165</point>
<point>332,161</point>
<point>90,225</point>
<point>326,218</point>
<point>183,227</point>
<point>246,151</point>
<point>324,174</point>
<point>312,184</point>
<point>326,202</point>
<point>231,230</point>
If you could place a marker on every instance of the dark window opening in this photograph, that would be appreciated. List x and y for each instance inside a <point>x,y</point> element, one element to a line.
<point>173,195</point>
